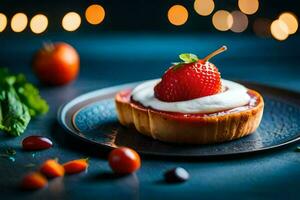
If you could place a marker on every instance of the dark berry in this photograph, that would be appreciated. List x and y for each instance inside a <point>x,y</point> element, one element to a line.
<point>177,174</point>
<point>36,143</point>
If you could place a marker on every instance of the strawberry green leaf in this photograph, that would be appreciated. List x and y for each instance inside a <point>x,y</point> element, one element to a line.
<point>188,57</point>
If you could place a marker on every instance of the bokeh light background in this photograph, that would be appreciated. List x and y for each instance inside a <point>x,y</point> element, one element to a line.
<point>156,29</point>
<point>259,17</point>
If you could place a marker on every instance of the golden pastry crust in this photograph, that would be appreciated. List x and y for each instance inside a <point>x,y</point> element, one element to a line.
<point>169,127</point>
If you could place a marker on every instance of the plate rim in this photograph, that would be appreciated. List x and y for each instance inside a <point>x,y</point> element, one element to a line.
<point>61,113</point>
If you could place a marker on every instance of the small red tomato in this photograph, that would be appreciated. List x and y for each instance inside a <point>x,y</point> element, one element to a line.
<point>124,160</point>
<point>56,64</point>
<point>36,143</point>
<point>34,180</point>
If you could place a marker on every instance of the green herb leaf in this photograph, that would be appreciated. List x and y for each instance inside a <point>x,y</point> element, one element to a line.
<point>30,96</point>
<point>188,57</point>
<point>10,151</point>
<point>19,101</point>
<point>14,115</point>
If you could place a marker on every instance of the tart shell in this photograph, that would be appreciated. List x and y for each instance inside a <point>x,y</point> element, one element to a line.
<point>168,127</point>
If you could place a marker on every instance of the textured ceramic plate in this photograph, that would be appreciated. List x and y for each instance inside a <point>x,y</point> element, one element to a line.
<point>92,118</point>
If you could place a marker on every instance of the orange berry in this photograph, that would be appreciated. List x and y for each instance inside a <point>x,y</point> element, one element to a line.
<point>51,168</point>
<point>34,180</point>
<point>76,166</point>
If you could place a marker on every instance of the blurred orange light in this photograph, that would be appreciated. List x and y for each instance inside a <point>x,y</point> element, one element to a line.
<point>204,7</point>
<point>222,20</point>
<point>279,30</point>
<point>3,22</point>
<point>39,23</point>
<point>248,7</point>
<point>19,22</point>
<point>240,21</point>
<point>71,21</point>
<point>178,15</point>
<point>261,27</point>
<point>290,20</point>
<point>95,14</point>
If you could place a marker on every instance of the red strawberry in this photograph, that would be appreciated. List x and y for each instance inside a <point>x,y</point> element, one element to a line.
<point>192,79</point>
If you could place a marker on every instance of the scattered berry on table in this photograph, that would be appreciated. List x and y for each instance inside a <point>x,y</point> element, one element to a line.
<point>177,174</point>
<point>124,160</point>
<point>36,143</point>
<point>34,180</point>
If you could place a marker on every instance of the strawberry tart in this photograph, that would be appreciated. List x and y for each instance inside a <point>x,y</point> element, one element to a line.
<point>191,104</point>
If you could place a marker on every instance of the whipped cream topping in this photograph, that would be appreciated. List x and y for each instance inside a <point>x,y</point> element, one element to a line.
<point>233,95</point>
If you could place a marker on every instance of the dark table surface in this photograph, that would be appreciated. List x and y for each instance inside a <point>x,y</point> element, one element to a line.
<point>111,59</point>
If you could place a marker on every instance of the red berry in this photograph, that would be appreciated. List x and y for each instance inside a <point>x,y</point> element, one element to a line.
<point>36,143</point>
<point>189,81</point>
<point>124,160</point>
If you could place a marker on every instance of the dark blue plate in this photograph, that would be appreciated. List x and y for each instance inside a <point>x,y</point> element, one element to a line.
<point>92,118</point>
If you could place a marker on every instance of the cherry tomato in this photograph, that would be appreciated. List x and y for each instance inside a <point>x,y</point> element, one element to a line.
<point>36,143</point>
<point>56,64</point>
<point>124,160</point>
<point>34,180</point>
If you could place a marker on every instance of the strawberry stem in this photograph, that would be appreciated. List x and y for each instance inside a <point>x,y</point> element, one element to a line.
<point>220,50</point>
